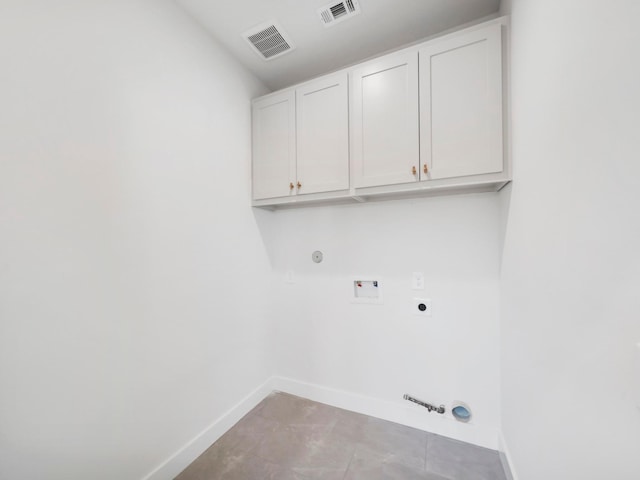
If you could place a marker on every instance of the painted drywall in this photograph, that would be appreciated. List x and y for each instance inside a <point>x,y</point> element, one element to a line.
<point>384,351</point>
<point>570,268</point>
<point>128,248</point>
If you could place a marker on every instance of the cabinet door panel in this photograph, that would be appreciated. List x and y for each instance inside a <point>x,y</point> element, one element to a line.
<point>274,146</point>
<point>461,105</point>
<point>323,135</point>
<point>385,121</point>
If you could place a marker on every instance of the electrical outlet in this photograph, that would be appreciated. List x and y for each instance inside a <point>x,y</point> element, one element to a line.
<point>422,307</point>
<point>417,281</point>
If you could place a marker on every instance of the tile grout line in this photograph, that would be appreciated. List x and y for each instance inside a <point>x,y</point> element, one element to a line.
<point>346,471</point>
<point>426,450</point>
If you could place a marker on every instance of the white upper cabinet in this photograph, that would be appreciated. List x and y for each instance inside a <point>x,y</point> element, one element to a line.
<point>274,146</point>
<point>323,135</point>
<point>423,120</point>
<point>461,105</point>
<point>385,121</point>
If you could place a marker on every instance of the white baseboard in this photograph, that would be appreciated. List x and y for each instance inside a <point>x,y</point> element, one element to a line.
<point>171,467</point>
<point>401,412</point>
<point>398,412</point>
<point>506,459</point>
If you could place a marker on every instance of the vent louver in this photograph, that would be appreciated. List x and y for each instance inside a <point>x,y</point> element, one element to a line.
<point>269,40</point>
<point>337,12</point>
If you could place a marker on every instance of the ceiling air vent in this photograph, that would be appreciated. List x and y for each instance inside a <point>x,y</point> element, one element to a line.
<point>269,40</point>
<point>337,12</point>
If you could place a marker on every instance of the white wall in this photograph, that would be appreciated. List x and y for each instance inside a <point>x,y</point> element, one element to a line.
<point>571,268</point>
<point>128,252</point>
<point>383,351</point>
<point>126,237</point>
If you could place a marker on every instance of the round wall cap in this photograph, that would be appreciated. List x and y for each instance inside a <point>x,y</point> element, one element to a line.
<point>461,411</point>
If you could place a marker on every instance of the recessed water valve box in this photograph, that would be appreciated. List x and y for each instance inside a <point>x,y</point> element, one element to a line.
<point>422,307</point>
<point>367,290</point>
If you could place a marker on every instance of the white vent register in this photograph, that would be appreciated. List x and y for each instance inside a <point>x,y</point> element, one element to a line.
<point>269,40</point>
<point>335,13</point>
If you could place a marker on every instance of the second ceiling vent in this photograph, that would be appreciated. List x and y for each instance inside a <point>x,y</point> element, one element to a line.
<point>335,13</point>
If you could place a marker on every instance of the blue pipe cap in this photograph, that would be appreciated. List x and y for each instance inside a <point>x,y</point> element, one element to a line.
<point>461,413</point>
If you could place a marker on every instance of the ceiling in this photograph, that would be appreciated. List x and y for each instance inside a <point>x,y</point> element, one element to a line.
<point>383,25</point>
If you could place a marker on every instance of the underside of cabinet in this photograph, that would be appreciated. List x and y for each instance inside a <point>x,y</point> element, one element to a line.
<point>374,194</point>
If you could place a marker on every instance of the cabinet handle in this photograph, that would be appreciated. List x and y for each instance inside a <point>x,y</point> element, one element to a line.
<point>299,185</point>
<point>425,169</point>
<point>291,186</point>
<point>413,170</point>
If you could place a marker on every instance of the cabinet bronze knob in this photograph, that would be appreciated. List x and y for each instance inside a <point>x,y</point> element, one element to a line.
<point>413,170</point>
<point>425,169</point>
<point>299,185</point>
<point>291,186</point>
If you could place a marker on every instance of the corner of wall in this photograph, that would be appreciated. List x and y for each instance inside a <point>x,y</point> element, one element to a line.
<point>181,459</point>
<point>505,7</point>
<point>505,458</point>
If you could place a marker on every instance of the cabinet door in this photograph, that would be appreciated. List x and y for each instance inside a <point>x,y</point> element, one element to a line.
<point>461,105</point>
<point>385,121</point>
<point>323,135</point>
<point>274,146</point>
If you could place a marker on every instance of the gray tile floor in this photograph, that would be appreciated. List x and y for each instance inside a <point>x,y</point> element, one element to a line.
<point>292,438</point>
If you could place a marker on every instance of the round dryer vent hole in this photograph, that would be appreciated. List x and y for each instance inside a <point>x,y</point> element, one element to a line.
<point>461,412</point>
